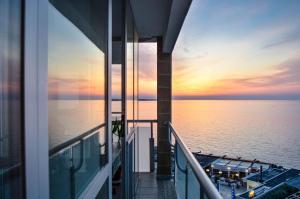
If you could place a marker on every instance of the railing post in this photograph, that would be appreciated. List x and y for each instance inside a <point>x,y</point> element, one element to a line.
<point>151,126</point>
<point>151,145</point>
<point>174,161</point>
<point>72,187</point>
<point>170,134</point>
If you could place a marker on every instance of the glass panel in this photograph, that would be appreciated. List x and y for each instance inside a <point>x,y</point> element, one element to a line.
<point>76,75</point>
<point>147,85</point>
<point>186,183</point>
<point>60,174</point>
<point>130,68</point>
<point>116,109</point>
<point>11,142</point>
<point>116,91</point>
<point>73,168</point>
<point>76,80</point>
<point>193,185</point>
<point>136,109</point>
<point>180,177</point>
<point>135,76</point>
<point>86,165</point>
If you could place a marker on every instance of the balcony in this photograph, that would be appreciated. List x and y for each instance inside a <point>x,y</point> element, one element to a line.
<point>74,164</point>
<point>188,178</point>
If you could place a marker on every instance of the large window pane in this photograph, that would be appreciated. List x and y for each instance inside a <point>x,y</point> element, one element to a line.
<point>76,80</point>
<point>11,142</point>
<point>76,89</point>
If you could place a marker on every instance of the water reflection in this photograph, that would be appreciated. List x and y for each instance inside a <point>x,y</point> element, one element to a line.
<point>76,80</point>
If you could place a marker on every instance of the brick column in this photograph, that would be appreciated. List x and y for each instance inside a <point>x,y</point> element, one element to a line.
<point>164,110</point>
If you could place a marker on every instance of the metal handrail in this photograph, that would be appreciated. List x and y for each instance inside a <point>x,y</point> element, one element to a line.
<point>116,112</point>
<point>209,188</point>
<point>145,121</point>
<point>74,140</point>
<point>129,138</point>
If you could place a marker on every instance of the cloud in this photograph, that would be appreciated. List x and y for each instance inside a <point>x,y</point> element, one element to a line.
<point>186,50</point>
<point>284,78</point>
<point>283,41</point>
<point>74,88</point>
<point>277,43</point>
<point>147,61</point>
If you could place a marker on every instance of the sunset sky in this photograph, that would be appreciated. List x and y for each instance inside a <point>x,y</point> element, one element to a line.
<point>226,49</point>
<point>237,48</point>
<point>75,65</point>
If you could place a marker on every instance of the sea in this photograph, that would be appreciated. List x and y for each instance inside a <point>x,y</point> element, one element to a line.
<point>266,130</point>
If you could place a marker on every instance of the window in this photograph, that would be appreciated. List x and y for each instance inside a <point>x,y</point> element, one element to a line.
<point>11,131</point>
<point>77,54</point>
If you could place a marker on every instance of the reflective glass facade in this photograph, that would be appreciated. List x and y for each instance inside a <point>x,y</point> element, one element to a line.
<point>77,58</point>
<point>69,99</point>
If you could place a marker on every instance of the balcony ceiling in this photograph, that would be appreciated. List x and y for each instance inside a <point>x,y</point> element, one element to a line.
<point>153,18</point>
<point>164,18</point>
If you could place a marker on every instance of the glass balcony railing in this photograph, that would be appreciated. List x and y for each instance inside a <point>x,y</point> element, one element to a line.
<point>190,179</point>
<point>73,164</point>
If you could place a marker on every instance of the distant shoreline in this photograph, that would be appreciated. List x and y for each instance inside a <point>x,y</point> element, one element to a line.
<point>174,99</point>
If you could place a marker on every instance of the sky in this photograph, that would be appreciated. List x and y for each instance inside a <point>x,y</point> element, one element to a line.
<point>229,49</point>
<point>242,49</point>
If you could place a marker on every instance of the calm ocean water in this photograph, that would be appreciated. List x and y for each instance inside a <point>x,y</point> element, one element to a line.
<point>265,130</point>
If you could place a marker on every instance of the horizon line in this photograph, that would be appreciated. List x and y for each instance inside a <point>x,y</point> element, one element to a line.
<point>212,97</point>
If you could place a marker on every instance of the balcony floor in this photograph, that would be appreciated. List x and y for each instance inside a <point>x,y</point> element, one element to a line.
<point>151,188</point>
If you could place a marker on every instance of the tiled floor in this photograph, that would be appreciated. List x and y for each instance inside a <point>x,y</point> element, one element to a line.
<point>150,188</point>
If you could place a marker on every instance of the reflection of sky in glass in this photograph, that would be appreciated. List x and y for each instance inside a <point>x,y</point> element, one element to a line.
<point>9,49</point>
<point>76,65</point>
<point>147,71</point>
<point>75,80</point>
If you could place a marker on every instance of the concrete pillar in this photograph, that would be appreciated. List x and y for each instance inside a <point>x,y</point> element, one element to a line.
<point>164,110</point>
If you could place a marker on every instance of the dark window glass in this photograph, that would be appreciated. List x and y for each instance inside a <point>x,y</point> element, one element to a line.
<point>11,142</point>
